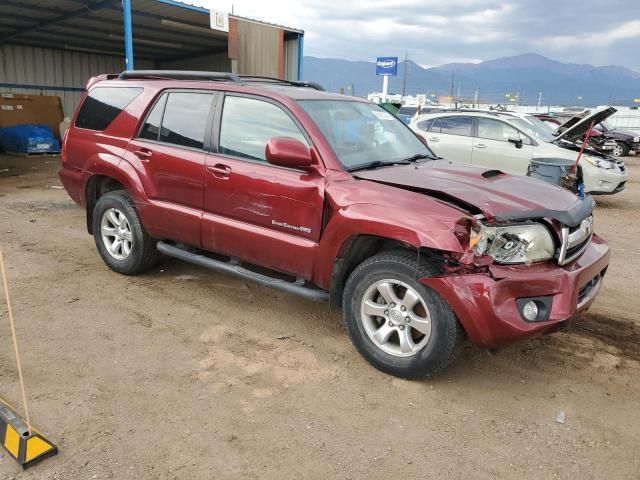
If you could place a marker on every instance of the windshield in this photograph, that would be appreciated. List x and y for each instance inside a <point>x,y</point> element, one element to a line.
<point>364,133</point>
<point>534,127</point>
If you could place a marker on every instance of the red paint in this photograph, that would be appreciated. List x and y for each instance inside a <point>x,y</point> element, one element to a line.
<point>298,220</point>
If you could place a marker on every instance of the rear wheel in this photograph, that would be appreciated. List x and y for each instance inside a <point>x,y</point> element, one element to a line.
<point>399,325</point>
<point>123,243</point>
<point>620,150</point>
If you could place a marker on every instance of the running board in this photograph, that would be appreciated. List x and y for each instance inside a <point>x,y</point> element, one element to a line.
<point>233,268</point>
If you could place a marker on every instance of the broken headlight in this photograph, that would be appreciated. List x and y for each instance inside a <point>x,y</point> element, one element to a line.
<point>514,243</point>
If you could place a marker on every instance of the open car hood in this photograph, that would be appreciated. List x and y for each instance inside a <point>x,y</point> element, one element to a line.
<point>573,129</point>
<point>498,196</point>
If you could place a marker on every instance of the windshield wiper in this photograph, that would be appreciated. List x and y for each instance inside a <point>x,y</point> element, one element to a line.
<point>377,164</point>
<point>419,156</point>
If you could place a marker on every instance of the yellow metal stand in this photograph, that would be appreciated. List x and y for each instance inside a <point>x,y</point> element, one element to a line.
<point>23,443</point>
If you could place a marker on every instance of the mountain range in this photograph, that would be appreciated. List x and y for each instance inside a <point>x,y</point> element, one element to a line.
<point>525,75</point>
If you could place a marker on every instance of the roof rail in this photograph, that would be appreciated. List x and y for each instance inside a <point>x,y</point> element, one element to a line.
<point>211,76</point>
<point>179,75</point>
<point>293,83</point>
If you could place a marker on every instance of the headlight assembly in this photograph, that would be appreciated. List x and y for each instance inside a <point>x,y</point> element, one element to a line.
<point>636,139</point>
<point>514,243</point>
<point>601,163</point>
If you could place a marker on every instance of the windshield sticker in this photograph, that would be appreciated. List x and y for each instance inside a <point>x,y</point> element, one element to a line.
<point>382,115</point>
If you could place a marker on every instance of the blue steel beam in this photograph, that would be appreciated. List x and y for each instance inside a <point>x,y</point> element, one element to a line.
<point>128,34</point>
<point>60,18</point>
<point>300,54</point>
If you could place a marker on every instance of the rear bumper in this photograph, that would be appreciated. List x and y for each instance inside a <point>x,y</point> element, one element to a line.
<point>73,181</point>
<point>486,305</point>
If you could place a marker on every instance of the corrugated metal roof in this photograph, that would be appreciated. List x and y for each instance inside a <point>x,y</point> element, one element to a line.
<point>161,28</point>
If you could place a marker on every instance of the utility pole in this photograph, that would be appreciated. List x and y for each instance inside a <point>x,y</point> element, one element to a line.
<point>451,94</point>
<point>353,90</point>
<point>459,87</point>
<point>539,101</point>
<point>404,77</point>
<point>476,97</point>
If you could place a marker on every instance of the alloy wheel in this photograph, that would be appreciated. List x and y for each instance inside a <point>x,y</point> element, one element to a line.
<point>116,233</point>
<point>396,318</point>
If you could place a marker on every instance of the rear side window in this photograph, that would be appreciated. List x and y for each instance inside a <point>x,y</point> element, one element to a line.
<point>103,104</point>
<point>179,118</point>
<point>456,126</point>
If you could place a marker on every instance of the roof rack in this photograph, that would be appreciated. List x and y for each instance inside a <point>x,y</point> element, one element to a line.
<point>276,81</point>
<point>178,75</point>
<point>211,76</point>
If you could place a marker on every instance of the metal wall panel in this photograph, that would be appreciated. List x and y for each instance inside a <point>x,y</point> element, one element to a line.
<point>259,48</point>
<point>45,67</point>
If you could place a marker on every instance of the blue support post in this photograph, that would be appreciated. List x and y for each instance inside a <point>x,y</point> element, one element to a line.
<point>300,54</point>
<point>128,34</point>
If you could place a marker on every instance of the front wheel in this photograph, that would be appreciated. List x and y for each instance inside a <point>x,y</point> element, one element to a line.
<point>399,325</point>
<point>620,150</point>
<point>121,240</point>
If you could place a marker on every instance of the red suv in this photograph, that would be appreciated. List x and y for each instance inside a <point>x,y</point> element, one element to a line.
<point>333,198</point>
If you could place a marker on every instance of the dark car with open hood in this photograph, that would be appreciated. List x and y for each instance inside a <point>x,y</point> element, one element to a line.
<point>334,199</point>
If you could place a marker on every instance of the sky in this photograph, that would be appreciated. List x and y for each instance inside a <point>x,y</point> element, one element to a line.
<point>434,32</point>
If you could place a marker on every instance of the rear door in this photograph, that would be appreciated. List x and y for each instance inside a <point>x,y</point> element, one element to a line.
<point>450,137</point>
<point>258,212</point>
<point>169,153</point>
<point>492,149</point>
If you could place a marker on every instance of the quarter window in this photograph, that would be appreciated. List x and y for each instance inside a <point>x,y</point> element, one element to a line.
<point>248,125</point>
<point>456,126</point>
<point>103,104</point>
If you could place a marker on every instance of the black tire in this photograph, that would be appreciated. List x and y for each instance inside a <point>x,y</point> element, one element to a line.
<point>624,149</point>
<point>446,334</point>
<point>144,254</point>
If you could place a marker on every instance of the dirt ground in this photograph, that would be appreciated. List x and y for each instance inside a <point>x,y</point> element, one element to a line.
<point>186,374</point>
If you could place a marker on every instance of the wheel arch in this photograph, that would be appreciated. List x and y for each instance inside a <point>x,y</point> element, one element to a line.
<point>357,249</point>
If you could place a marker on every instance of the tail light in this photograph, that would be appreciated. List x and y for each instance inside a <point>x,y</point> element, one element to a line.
<point>63,152</point>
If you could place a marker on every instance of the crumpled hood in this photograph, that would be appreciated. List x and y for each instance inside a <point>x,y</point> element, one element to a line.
<point>499,196</point>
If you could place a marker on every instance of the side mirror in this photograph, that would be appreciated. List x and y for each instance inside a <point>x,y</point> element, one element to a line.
<point>288,152</point>
<point>516,140</point>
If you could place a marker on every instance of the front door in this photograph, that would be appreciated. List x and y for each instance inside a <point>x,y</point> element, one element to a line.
<point>169,154</point>
<point>258,212</point>
<point>492,149</point>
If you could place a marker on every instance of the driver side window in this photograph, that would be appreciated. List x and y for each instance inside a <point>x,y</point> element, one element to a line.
<point>248,124</point>
<point>491,129</point>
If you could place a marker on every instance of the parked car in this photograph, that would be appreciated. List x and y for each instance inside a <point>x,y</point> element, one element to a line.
<point>625,140</point>
<point>597,139</point>
<point>507,141</point>
<point>332,198</point>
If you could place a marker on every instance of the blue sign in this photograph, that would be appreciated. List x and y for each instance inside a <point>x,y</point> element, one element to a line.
<point>387,66</point>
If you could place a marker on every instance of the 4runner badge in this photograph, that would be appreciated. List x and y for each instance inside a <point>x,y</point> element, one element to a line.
<point>290,227</point>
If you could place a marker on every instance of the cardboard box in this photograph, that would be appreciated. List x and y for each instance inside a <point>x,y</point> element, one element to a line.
<point>20,109</point>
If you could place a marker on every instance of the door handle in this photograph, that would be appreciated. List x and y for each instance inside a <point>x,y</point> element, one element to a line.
<point>434,139</point>
<point>481,145</point>
<point>219,170</point>
<point>143,154</point>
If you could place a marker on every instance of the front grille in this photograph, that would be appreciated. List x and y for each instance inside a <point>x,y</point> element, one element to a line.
<point>584,292</point>
<point>575,240</point>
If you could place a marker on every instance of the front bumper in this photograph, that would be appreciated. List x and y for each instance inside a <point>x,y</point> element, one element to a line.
<point>485,303</point>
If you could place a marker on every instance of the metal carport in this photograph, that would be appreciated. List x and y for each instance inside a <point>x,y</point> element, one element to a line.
<point>53,47</point>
